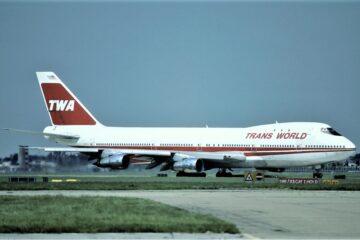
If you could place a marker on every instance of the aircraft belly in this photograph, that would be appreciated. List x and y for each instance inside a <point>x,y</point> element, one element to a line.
<point>281,160</point>
<point>304,159</point>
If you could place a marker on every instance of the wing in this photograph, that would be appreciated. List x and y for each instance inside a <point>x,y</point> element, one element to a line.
<point>136,156</point>
<point>154,158</point>
<point>66,149</point>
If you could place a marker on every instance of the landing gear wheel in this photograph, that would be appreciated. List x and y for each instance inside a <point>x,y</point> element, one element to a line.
<point>223,173</point>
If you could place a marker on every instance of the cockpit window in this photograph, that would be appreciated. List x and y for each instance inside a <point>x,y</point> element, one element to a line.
<point>333,132</point>
<point>330,131</point>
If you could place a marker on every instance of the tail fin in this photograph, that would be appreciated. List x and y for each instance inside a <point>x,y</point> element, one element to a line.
<point>63,106</point>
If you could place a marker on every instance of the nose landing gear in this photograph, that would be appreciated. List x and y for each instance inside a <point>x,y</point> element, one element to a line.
<point>317,172</point>
<point>317,175</point>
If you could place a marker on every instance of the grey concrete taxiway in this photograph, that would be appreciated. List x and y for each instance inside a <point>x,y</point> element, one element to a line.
<point>259,213</point>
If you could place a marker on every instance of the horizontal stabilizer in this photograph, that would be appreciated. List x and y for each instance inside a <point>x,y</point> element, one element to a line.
<point>22,131</point>
<point>64,136</point>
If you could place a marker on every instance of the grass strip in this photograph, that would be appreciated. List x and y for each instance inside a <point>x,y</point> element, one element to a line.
<point>101,181</point>
<point>146,185</point>
<point>59,214</point>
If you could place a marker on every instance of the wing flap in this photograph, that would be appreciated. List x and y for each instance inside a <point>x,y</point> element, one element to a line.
<point>140,152</point>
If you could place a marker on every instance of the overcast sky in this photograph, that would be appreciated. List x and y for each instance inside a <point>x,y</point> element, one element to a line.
<point>234,64</point>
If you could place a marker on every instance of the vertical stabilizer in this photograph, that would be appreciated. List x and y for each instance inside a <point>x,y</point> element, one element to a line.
<point>63,106</point>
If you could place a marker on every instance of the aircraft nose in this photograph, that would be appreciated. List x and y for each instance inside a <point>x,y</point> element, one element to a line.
<point>351,145</point>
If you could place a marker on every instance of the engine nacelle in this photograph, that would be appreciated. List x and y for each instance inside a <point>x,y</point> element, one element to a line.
<point>116,161</point>
<point>189,164</point>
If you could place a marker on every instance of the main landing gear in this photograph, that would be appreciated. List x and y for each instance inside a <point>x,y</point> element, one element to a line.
<point>223,173</point>
<point>190,174</point>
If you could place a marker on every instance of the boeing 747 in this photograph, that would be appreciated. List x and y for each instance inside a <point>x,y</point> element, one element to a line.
<point>272,147</point>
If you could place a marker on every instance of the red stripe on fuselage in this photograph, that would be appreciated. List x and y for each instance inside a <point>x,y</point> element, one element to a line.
<point>256,151</point>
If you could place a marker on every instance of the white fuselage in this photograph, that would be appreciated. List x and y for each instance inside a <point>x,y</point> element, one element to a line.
<point>274,145</point>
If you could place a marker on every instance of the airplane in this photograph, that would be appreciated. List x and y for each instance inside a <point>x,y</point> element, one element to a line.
<point>271,147</point>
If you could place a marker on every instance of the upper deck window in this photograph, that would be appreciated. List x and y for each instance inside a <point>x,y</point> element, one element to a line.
<point>330,131</point>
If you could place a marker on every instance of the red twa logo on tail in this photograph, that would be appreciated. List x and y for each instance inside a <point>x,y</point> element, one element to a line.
<point>61,105</point>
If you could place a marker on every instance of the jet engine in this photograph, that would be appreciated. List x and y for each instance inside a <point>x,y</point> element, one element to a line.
<point>116,161</point>
<point>189,164</point>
